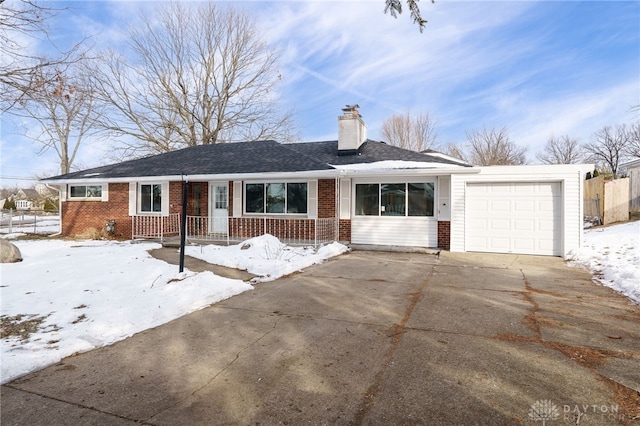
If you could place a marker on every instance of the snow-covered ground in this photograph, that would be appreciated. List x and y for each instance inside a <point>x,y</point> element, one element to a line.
<point>612,254</point>
<point>19,224</point>
<point>80,295</point>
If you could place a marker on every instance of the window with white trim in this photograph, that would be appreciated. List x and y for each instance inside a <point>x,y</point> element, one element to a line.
<point>276,197</point>
<point>395,199</point>
<point>150,198</point>
<point>85,191</point>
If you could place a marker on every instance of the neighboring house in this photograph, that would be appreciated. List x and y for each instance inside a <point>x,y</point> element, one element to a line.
<point>354,190</point>
<point>34,198</point>
<point>633,170</point>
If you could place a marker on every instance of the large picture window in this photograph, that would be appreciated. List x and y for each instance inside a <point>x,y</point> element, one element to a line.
<point>276,198</point>
<point>395,199</point>
<point>85,191</point>
<point>150,198</point>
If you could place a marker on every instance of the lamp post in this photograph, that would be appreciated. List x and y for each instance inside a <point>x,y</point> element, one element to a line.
<point>183,221</point>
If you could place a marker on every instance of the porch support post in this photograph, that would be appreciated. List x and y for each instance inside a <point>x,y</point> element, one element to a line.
<point>183,223</point>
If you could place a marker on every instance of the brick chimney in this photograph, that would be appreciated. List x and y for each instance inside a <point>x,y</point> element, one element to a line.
<point>352,131</point>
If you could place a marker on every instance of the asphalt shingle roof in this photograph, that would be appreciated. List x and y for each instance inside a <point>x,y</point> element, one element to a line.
<point>251,157</point>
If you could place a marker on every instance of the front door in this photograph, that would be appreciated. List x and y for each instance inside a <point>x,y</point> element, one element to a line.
<point>218,202</point>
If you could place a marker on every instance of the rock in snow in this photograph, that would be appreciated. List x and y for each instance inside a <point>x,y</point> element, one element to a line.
<point>9,253</point>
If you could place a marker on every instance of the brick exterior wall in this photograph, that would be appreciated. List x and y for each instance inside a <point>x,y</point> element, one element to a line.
<point>344,233</point>
<point>86,217</point>
<point>444,235</point>
<point>326,198</point>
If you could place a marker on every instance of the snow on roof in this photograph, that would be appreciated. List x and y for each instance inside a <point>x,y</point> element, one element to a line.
<point>394,165</point>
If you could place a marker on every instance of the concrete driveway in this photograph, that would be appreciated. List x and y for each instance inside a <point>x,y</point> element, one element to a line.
<point>367,338</point>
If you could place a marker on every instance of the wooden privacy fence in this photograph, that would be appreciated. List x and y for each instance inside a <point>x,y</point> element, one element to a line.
<point>611,198</point>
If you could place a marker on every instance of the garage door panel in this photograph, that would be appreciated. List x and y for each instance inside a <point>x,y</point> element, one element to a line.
<point>500,224</point>
<point>525,206</point>
<point>514,217</point>
<point>524,244</point>
<point>500,205</point>
<point>524,225</point>
<point>498,244</point>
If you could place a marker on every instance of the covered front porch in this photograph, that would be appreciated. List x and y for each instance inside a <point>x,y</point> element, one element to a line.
<point>231,230</point>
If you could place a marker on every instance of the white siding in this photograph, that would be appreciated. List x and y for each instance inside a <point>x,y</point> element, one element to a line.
<point>133,203</point>
<point>345,198</point>
<point>394,231</point>
<point>458,187</point>
<point>237,198</point>
<point>312,197</point>
<point>569,177</point>
<point>444,198</point>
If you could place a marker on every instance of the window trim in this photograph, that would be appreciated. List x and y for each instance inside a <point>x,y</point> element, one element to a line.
<point>405,181</point>
<point>139,210</point>
<point>101,197</point>
<point>286,182</point>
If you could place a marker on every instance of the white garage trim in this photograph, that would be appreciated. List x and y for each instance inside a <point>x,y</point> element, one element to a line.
<point>514,217</point>
<point>570,178</point>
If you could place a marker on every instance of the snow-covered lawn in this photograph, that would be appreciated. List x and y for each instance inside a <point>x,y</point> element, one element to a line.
<point>19,224</point>
<point>74,296</point>
<point>612,254</point>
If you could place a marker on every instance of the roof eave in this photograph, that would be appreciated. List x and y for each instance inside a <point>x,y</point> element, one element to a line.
<point>197,177</point>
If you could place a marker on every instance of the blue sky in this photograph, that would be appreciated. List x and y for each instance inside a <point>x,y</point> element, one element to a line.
<point>537,68</point>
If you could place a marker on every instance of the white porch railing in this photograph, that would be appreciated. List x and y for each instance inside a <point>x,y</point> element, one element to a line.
<point>155,226</point>
<point>295,231</point>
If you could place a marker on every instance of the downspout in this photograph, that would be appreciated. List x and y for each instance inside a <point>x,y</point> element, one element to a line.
<point>57,234</point>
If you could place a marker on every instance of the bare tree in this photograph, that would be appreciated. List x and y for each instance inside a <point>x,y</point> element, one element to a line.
<point>395,8</point>
<point>414,132</point>
<point>493,148</point>
<point>63,106</point>
<point>455,151</point>
<point>21,21</point>
<point>633,148</point>
<point>608,147</point>
<point>196,75</point>
<point>561,150</point>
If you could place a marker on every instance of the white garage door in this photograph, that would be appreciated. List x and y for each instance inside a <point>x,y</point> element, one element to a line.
<point>514,217</point>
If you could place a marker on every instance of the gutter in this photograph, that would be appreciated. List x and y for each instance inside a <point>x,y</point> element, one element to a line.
<point>332,173</point>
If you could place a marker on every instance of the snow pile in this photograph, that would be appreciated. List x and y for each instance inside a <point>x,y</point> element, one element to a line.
<point>265,256</point>
<point>83,295</point>
<point>613,255</point>
<point>395,164</point>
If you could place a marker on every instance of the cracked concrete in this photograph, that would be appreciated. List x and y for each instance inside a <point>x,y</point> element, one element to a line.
<point>367,338</point>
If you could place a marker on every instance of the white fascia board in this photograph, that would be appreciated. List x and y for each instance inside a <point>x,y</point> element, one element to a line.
<point>536,170</point>
<point>198,178</point>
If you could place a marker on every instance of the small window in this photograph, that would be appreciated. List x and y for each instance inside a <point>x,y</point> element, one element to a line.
<point>393,197</point>
<point>297,198</point>
<point>254,198</point>
<point>150,198</point>
<point>367,199</point>
<point>421,199</point>
<point>85,191</point>
<point>221,197</point>
<point>275,197</point>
